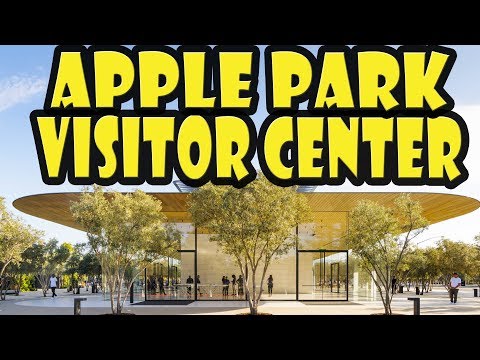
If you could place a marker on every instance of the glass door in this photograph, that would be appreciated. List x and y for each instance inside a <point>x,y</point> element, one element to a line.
<point>311,275</point>
<point>322,275</point>
<point>171,278</point>
<point>335,278</point>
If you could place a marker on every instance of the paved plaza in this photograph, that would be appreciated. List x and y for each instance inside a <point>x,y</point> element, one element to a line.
<point>433,303</point>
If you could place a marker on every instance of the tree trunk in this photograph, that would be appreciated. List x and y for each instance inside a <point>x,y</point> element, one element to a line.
<point>3,282</point>
<point>388,302</point>
<point>383,286</point>
<point>251,295</point>
<point>119,297</point>
<point>3,269</point>
<point>253,298</point>
<point>112,288</point>
<point>2,285</point>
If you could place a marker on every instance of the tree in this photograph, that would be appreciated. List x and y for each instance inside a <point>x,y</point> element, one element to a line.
<point>72,266</point>
<point>64,253</point>
<point>46,259</point>
<point>15,238</point>
<point>380,237</point>
<point>453,257</point>
<point>252,224</point>
<point>475,268</point>
<point>90,266</point>
<point>422,267</point>
<point>21,278</point>
<point>127,233</point>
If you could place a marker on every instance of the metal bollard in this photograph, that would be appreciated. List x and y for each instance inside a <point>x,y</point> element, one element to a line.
<point>417,291</point>
<point>76,306</point>
<point>416,305</point>
<point>475,292</point>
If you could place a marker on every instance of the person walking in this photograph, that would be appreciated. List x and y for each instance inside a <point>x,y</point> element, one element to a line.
<point>394,285</point>
<point>223,286</point>
<point>270,285</point>
<point>189,282</point>
<point>240,285</point>
<point>198,285</point>
<point>455,283</point>
<point>234,285</point>
<point>53,284</point>
<point>227,285</point>
<point>161,286</point>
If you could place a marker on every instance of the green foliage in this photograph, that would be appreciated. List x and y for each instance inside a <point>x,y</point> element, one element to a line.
<point>252,224</point>
<point>380,237</point>
<point>451,256</point>
<point>45,259</point>
<point>420,266</point>
<point>126,232</point>
<point>66,280</point>
<point>73,262</point>
<point>90,266</point>
<point>475,268</point>
<point>27,282</point>
<point>15,237</point>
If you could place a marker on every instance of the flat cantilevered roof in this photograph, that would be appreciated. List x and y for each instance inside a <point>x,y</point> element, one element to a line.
<point>437,207</point>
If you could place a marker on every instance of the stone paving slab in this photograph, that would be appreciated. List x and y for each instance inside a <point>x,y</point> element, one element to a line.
<point>436,302</point>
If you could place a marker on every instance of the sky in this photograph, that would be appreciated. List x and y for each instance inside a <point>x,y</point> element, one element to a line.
<point>24,73</point>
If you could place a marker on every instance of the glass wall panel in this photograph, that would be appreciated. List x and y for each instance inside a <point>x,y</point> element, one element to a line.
<point>213,266</point>
<point>283,272</point>
<point>326,231</point>
<point>364,288</point>
<point>322,275</point>
<point>188,236</point>
<point>139,288</point>
<point>167,278</point>
<point>310,275</point>
<point>335,285</point>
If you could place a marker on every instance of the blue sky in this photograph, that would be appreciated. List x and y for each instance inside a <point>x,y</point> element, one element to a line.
<point>24,72</point>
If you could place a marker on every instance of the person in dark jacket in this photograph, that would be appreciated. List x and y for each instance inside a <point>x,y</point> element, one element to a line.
<point>227,285</point>
<point>394,285</point>
<point>270,285</point>
<point>234,285</point>
<point>189,288</point>
<point>160,284</point>
<point>240,285</point>
<point>198,283</point>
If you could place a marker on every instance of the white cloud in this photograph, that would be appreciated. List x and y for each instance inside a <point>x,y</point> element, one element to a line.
<point>19,89</point>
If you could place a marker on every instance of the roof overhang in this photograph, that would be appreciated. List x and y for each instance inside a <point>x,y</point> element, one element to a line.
<point>437,207</point>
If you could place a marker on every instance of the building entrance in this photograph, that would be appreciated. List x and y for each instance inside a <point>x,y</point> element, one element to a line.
<point>322,275</point>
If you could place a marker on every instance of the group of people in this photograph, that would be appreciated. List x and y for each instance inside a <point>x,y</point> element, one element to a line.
<point>53,284</point>
<point>153,283</point>
<point>237,285</point>
<point>454,284</point>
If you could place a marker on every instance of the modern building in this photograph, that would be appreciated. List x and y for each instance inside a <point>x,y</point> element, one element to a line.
<point>319,268</point>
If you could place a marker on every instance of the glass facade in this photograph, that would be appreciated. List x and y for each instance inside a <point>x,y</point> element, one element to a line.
<point>318,268</point>
<point>323,275</point>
